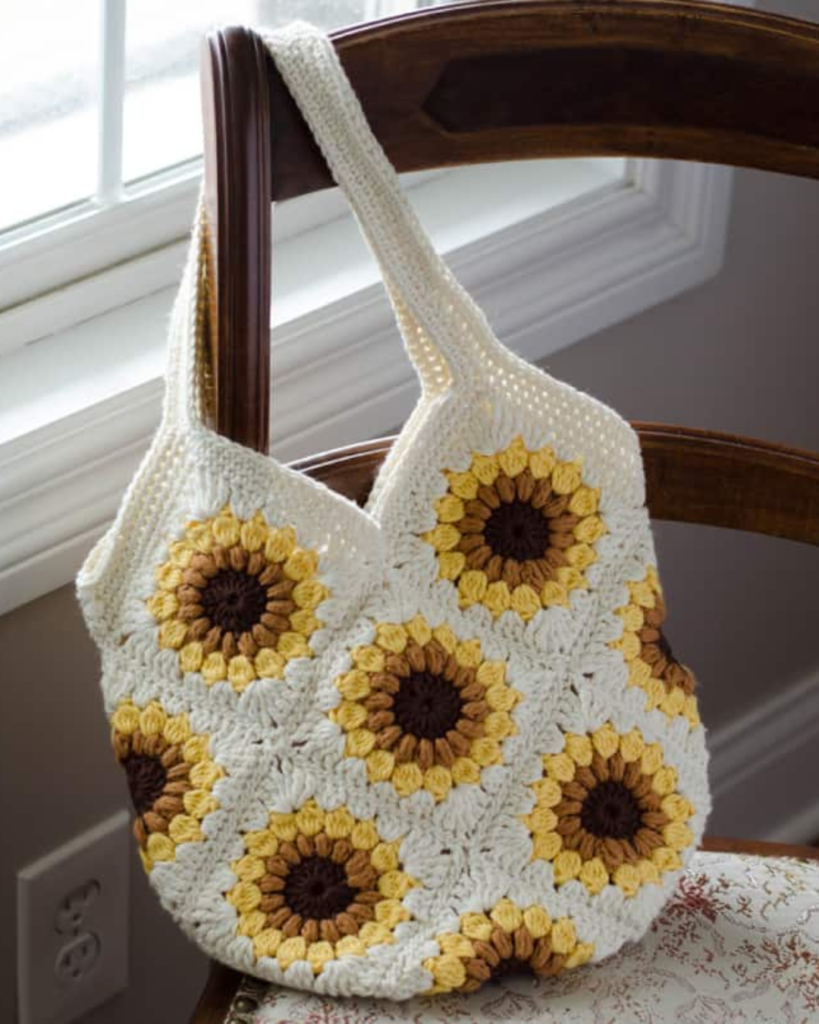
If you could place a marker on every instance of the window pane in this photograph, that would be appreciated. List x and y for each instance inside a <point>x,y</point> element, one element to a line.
<point>48,110</point>
<point>162,107</point>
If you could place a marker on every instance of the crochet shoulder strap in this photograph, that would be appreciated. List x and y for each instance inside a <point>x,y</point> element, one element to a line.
<point>186,372</point>
<point>446,334</point>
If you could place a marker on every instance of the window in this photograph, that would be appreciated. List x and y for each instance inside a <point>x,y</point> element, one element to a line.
<point>100,134</point>
<point>100,142</point>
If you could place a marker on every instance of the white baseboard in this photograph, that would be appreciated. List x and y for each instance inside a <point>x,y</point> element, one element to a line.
<point>762,768</point>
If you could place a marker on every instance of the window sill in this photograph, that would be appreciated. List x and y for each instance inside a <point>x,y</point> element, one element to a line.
<point>549,266</point>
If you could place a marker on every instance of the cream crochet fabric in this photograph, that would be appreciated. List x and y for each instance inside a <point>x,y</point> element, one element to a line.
<point>404,748</point>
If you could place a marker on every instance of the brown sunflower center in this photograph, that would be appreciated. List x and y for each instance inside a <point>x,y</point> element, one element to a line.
<point>517,530</point>
<point>234,601</point>
<point>611,810</point>
<point>511,966</point>
<point>318,888</point>
<point>146,780</point>
<point>427,706</point>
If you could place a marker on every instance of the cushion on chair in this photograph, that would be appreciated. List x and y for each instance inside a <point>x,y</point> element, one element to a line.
<point>738,941</point>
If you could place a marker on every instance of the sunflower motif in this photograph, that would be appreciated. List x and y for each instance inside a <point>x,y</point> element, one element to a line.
<point>516,530</point>
<point>489,946</point>
<point>608,810</point>
<point>237,599</point>
<point>318,885</point>
<point>424,709</point>
<point>170,776</point>
<point>667,684</point>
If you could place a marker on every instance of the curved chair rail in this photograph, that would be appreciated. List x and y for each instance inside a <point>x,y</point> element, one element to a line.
<point>693,476</point>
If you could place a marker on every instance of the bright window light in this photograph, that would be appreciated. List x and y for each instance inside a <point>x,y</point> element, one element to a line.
<point>96,95</point>
<point>48,107</point>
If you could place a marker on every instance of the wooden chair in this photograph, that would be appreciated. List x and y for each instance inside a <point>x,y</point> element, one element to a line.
<point>498,81</point>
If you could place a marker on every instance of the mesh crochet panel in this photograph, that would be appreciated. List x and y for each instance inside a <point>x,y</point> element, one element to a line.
<point>410,747</point>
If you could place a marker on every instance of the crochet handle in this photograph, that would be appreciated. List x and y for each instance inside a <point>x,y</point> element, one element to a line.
<point>446,334</point>
<point>188,375</point>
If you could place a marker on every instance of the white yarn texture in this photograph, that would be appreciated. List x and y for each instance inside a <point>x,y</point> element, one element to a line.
<point>276,751</point>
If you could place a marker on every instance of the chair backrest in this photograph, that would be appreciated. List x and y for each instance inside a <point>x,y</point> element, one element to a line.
<point>505,80</point>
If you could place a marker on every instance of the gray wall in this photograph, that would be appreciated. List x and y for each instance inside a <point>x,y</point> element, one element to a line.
<point>737,354</point>
<point>57,778</point>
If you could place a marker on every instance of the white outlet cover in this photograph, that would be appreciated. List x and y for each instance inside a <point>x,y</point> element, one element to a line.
<point>72,904</point>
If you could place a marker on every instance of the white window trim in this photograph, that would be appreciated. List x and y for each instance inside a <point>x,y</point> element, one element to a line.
<point>73,262</point>
<point>123,243</point>
<point>93,258</point>
<point>89,259</point>
<point>545,280</point>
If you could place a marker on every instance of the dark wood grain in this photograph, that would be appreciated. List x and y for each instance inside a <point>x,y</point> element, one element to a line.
<point>217,995</point>
<point>694,476</point>
<point>715,479</point>
<point>759,848</point>
<point>236,115</point>
<point>477,82</point>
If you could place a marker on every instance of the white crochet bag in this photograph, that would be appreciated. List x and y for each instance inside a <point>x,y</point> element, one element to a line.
<point>403,748</point>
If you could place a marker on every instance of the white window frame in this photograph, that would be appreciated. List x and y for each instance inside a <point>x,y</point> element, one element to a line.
<point>117,246</point>
<point>62,250</point>
<point>124,243</point>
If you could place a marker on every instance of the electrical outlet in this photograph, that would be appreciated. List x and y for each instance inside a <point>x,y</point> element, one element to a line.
<point>74,906</point>
<point>72,925</point>
<point>78,957</point>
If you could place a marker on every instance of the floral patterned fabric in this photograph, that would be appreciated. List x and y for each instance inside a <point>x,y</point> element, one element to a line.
<point>738,941</point>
